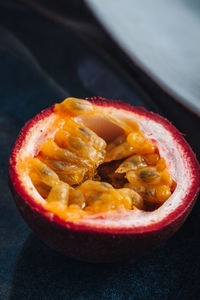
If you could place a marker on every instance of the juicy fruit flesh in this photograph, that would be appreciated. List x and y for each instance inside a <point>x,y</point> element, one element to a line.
<point>78,173</point>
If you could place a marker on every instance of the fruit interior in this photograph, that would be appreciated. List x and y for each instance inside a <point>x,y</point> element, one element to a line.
<point>92,162</point>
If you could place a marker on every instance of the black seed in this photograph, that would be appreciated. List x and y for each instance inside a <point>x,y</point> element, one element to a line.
<point>76,143</point>
<point>60,165</point>
<point>149,175</point>
<point>84,131</point>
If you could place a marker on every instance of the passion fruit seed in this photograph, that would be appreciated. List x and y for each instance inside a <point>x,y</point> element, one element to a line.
<point>87,135</point>
<point>119,152</point>
<point>44,173</point>
<point>77,198</point>
<point>83,150</point>
<point>91,148</point>
<point>59,192</point>
<point>153,194</point>
<point>61,138</point>
<point>149,175</point>
<point>84,132</point>
<point>51,150</point>
<point>42,188</point>
<point>70,167</point>
<point>133,178</point>
<point>101,196</point>
<point>132,197</point>
<point>95,185</point>
<point>132,163</point>
<point>74,106</point>
<point>67,172</point>
<point>137,188</point>
<point>94,190</point>
<point>157,194</point>
<point>118,141</point>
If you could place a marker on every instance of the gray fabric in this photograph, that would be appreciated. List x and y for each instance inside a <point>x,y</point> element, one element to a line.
<point>163,36</point>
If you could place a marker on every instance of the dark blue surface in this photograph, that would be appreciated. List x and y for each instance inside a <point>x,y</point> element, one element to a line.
<point>40,64</point>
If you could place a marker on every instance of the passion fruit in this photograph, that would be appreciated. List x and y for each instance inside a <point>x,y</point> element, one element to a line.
<point>102,181</point>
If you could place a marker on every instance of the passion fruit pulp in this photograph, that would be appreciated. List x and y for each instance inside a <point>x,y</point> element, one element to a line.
<point>99,180</point>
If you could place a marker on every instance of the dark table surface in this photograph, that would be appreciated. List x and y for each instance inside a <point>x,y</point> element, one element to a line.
<point>41,63</point>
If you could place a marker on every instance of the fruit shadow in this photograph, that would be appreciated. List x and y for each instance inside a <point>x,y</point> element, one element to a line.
<point>168,272</point>
<point>42,273</point>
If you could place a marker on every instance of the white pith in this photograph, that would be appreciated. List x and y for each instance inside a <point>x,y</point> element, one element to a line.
<point>177,160</point>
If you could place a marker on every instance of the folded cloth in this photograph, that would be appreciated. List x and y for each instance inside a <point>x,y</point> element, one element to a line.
<point>42,63</point>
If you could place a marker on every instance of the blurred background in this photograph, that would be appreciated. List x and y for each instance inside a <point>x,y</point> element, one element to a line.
<point>146,53</point>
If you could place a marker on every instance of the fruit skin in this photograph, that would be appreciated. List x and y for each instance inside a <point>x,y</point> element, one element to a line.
<point>91,246</point>
<point>94,244</point>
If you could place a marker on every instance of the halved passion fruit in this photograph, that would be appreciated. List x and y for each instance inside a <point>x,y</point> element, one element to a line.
<point>101,180</point>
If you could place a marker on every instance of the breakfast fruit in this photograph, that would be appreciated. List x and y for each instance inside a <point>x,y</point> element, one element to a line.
<point>102,181</point>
